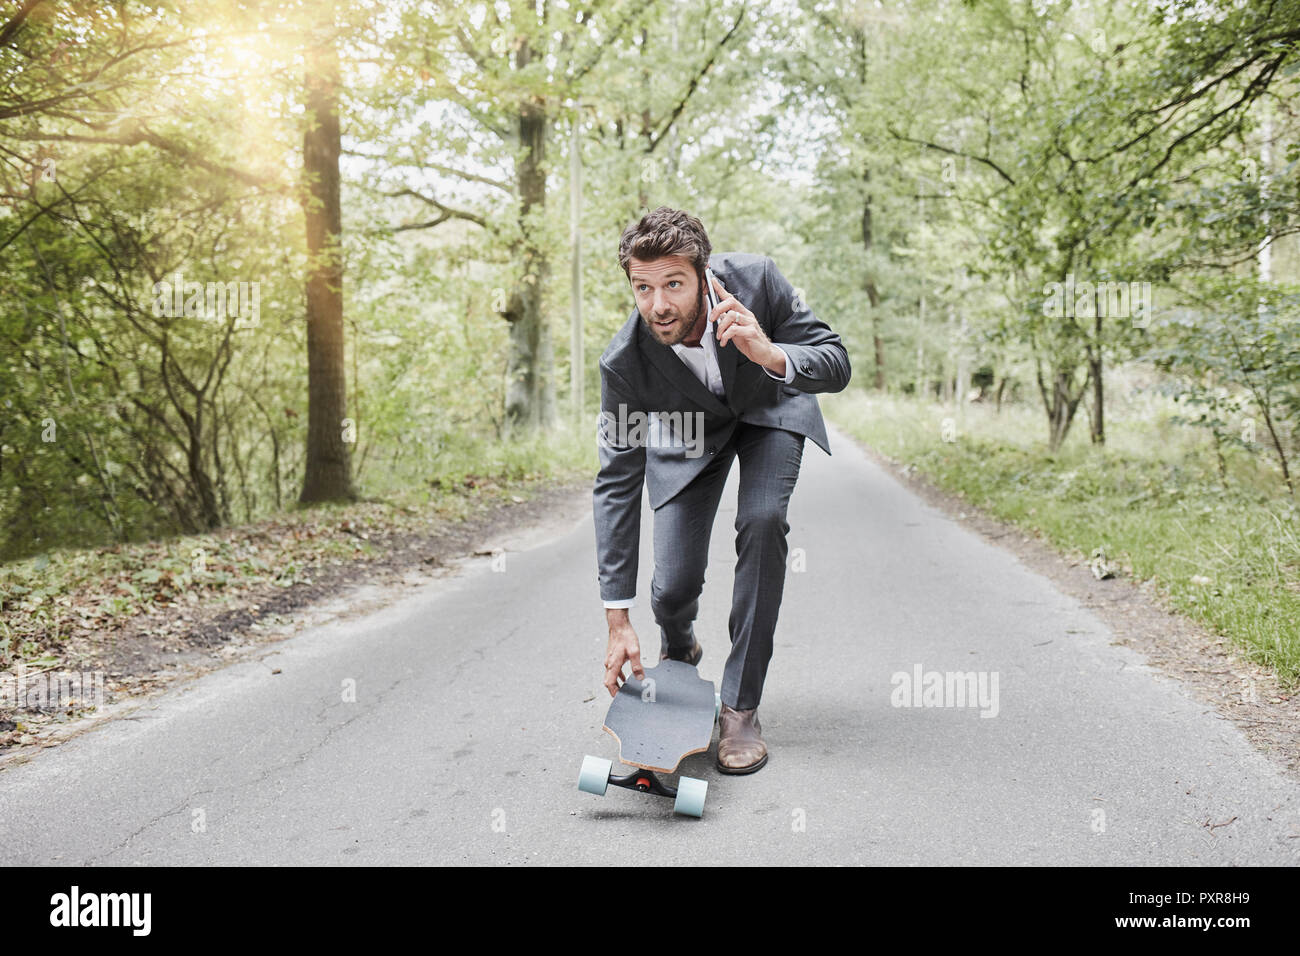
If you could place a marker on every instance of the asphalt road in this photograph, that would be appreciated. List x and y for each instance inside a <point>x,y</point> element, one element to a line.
<point>476,698</point>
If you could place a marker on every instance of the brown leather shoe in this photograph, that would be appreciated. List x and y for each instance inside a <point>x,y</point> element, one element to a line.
<point>740,745</point>
<point>693,658</point>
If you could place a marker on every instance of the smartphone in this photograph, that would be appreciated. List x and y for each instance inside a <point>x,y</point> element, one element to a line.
<point>708,289</point>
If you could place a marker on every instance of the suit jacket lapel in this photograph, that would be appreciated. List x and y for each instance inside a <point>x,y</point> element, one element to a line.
<point>726,361</point>
<point>666,360</point>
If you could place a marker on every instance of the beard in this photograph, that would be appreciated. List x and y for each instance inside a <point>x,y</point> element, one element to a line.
<point>680,330</point>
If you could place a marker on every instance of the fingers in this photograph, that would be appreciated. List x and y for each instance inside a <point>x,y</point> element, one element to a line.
<point>613,667</point>
<point>733,323</point>
<point>742,330</point>
<point>723,298</point>
<point>725,327</point>
<point>717,312</point>
<point>619,653</point>
<point>729,312</point>
<point>726,304</point>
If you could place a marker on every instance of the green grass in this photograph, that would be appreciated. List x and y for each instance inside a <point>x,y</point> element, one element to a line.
<point>1225,551</point>
<point>567,453</point>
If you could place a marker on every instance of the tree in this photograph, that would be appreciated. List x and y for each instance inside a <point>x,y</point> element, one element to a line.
<point>328,475</point>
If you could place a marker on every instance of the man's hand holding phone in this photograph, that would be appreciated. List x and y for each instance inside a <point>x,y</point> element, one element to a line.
<point>737,324</point>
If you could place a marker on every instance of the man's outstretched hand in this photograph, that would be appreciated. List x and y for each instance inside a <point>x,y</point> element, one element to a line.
<point>623,647</point>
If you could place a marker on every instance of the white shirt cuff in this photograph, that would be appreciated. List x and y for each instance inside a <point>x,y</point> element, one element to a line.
<point>789,368</point>
<point>621,602</point>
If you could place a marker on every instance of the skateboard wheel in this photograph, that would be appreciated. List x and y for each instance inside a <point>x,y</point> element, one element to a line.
<point>717,705</point>
<point>690,797</point>
<point>594,776</point>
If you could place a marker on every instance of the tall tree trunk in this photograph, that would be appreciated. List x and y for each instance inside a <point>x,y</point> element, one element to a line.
<point>873,294</point>
<point>961,381</point>
<point>530,388</point>
<point>210,515</point>
<point>1061,402</point>
<point>576,363</point>
<point>328,473</point>
<point>647,173</point>
<point>1097,419</point>
<point>1097,410</point>
<point>868,233</point>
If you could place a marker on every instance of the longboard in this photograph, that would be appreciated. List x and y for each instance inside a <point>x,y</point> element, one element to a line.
<point>657,722</point>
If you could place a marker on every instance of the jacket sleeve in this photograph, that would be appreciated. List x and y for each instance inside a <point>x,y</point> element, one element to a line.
<point>821,363</point>
<point>617,493</point>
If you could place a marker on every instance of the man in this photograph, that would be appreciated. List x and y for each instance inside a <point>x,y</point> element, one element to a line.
<point>731,381</point>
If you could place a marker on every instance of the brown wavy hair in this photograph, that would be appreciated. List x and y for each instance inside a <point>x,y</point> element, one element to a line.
<point>665,232</point>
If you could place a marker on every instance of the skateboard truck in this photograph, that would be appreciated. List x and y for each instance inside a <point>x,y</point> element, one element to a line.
<point>688,797</point>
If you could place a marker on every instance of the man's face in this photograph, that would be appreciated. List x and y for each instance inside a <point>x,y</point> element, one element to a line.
<point>669,298</point>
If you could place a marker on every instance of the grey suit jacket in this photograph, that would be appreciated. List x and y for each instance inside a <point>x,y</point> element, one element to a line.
<point>641,378</point>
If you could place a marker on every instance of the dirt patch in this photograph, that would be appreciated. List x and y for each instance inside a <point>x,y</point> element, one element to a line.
<point>153,650</point>
<point>1207,663</point>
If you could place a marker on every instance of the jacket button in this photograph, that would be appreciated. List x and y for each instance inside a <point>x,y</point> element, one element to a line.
<point>712,449</point>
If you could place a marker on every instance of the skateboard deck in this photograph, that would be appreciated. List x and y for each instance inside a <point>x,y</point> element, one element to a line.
<point>664,718</point>
<point>657,722</point>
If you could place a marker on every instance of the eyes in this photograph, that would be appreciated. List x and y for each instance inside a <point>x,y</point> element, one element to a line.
<point>673,284</point>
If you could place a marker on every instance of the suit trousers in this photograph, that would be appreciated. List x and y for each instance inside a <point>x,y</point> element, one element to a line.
<point>769,466</point>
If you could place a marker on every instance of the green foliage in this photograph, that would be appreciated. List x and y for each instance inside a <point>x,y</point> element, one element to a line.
<point>1236,359</point>
<point>1227,554</point>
